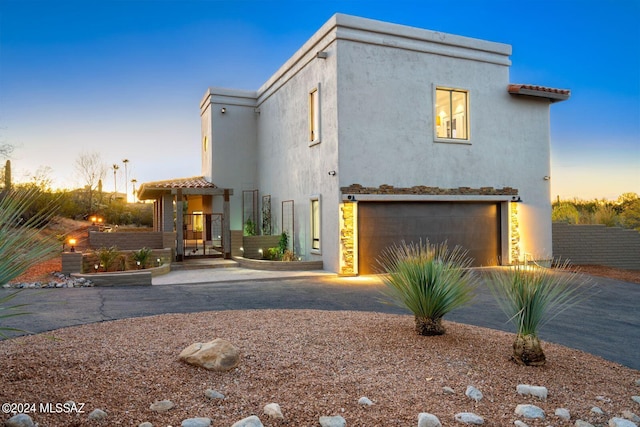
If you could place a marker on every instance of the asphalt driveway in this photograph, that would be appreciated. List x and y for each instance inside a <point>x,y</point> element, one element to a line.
<point>607,324</point>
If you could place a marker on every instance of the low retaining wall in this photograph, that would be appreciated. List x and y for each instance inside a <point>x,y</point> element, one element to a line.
<point>260,264</point>
<point>125,241</point>
<point>597,244</point>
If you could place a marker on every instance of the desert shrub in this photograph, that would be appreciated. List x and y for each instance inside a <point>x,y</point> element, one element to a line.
<point>289,256</point>
<point>565,212</point>
<point>273,254</point>
<point>430,280</point>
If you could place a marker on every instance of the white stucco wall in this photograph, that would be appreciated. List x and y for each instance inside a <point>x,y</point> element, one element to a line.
<point>231,157</point>
<point>386,123</point>
<point>289,167</point>
<point>377,86</point>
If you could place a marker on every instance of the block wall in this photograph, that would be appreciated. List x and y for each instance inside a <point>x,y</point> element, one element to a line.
<point>126,241</point>
<point>597,244</point>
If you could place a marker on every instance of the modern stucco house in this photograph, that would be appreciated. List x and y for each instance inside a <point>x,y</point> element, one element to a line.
<point>372,133</point>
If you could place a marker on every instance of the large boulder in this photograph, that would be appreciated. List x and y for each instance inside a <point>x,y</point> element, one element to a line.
<point>216,355</point>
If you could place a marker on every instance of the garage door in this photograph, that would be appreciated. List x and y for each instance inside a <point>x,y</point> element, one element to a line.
<point>474,226</point>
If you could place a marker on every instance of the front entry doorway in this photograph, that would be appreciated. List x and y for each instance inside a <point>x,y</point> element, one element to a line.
<point>203,235</point>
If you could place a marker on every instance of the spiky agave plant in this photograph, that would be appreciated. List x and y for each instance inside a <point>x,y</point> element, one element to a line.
<point>428,279</point>
<point>531,296</point>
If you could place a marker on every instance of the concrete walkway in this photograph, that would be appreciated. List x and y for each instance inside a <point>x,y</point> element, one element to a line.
<point>607,324</point>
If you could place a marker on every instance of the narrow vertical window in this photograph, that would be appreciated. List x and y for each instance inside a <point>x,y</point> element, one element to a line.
<point>452,115</point>
<point>314,116</point>
<point>315,223</point>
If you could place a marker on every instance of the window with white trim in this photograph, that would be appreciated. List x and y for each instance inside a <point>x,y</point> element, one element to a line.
<point>452,114</point>
<point>314,116</point>
<point>315,223</point>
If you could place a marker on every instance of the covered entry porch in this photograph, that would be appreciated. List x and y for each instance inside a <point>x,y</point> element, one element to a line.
<point>183,212</point>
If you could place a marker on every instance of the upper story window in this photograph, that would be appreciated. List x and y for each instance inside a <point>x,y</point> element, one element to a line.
<point>452,114</point>
<point>314,116</point>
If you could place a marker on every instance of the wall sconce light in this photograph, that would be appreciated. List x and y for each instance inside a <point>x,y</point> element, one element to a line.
<point>332,173</point>
<point>351,198</point>
<point>546,177</point>
<point>516,199</point>
<point>72,243</point>
<point>322,55</point>
<point>223,110</point>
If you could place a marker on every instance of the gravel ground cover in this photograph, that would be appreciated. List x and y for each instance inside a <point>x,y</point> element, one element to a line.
<point>312,363</point>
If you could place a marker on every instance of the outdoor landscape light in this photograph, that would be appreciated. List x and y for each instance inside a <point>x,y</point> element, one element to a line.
<point>72,243</point>
<point>93,220</point>
<point>138,264</point>
<point>96,266</point>
<point>158,261</point>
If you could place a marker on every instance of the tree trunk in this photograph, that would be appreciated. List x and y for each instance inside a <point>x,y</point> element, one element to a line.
<point>528,351</point>
<point>429,327</point>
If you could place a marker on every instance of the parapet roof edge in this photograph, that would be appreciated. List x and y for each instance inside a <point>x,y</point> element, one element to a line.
<point>339,20</point>
<point>227,92</point>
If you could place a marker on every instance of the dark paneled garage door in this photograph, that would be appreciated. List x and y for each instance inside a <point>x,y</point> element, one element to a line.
<point>474,226</point>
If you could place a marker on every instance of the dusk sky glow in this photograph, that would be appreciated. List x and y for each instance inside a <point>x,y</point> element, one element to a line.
<point>125,78</point>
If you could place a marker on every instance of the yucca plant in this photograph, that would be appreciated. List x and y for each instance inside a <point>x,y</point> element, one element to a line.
<point>531,296</point>
<point>428,279</point>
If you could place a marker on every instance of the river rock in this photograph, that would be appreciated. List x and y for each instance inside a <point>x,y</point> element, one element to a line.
<point>469,418</point>
<point>19,420</point>
<point>529,411</point>
<point>251,421</point>
<point>217,355</point>
<point>273,410</point>
<point>335,421</point>
<point>428,420</point>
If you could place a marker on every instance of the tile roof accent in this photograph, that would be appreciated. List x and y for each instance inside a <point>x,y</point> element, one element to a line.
<point>552,94</point>
<point>196,185</point>
<point>193,182</point>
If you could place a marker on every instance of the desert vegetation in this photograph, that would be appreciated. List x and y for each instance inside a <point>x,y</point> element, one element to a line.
<point>623,212</point>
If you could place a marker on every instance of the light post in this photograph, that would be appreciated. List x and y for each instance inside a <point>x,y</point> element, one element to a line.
<point>126,185</point>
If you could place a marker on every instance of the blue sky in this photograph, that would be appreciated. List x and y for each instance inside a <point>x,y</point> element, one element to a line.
<point>125,78</point>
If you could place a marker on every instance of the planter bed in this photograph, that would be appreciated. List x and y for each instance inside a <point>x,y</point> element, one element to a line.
<point>261,264</point>
<point>124,278</point>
